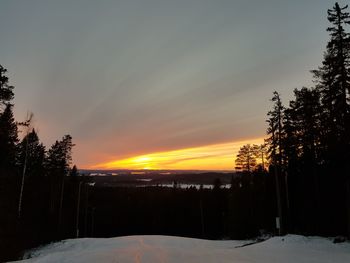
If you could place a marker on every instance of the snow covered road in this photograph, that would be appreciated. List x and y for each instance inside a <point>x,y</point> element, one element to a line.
<point>165,249</point>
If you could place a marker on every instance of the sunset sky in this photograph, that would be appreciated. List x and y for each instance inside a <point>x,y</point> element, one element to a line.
<point>160,84</point>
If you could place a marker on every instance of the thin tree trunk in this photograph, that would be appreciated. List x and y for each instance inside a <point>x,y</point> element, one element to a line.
<point>202,217</point>
<point>348,207</point>
<point>86,209</point>
<point>60,212</point>
<point>23,175</point>
<point>77,215</point>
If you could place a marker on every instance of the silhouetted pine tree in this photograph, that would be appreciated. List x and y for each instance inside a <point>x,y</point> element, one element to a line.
<point>304,115</point>
<point>8,126</point>
<point>260,153</point>
<point>246,158</point>
<point>301,146</point>
<point>291,141</point>
<point>275,130</point>
<point>276,152</point>
<point>6,91</point>
<point>35,151</point>
<point>333,82</point>
<point>74,174</point>
<point>8,140</point>
<point>58,163</point>
<point>59,157</point>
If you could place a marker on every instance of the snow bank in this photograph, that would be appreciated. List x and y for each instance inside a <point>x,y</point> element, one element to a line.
<point>157,249</point>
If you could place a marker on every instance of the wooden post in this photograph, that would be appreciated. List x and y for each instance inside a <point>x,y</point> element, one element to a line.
<point>279,202</point>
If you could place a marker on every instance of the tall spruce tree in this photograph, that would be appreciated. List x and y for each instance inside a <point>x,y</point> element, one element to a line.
<point>8,140</point>
<point>274,141</point>
<point>31,148</point>
<point>57,164</point>
<point>275,130</point>
<point>304,113</point>
<point>302,149</point>
<point>8,126</point>
<point>301,141</point>
<point>59,157</point>
<point>290,141</point>
<point>333,82</point>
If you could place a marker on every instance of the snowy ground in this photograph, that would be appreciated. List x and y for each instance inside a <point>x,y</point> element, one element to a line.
<point>157,249</point>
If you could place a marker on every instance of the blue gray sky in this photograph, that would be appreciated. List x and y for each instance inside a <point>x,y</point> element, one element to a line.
<point>131,77</point>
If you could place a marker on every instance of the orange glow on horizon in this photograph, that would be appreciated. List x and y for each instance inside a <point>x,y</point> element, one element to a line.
<point>210,157</point>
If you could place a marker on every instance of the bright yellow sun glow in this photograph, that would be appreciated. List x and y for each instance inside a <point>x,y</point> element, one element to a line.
<point>210,157</point>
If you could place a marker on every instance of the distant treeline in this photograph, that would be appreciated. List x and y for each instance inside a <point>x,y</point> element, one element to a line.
<point>236,213</point>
